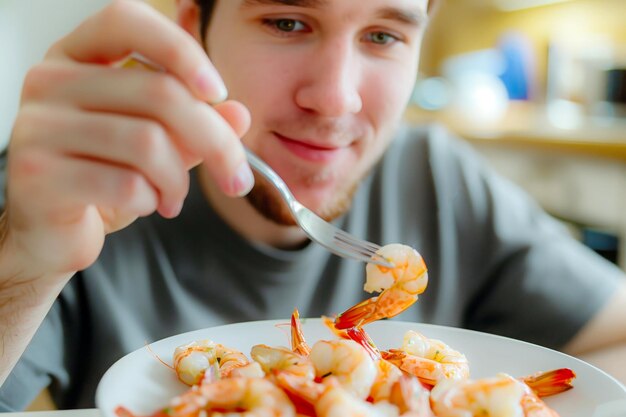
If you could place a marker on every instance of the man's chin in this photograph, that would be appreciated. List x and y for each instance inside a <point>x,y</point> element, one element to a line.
<point>266,200</point>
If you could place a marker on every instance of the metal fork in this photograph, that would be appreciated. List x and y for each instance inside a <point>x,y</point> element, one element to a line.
<point>317,229</point>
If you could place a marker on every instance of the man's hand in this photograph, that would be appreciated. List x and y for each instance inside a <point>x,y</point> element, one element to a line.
<point>95,146</point>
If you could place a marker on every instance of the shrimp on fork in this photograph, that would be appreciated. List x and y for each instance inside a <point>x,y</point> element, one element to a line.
<point>400,287</point>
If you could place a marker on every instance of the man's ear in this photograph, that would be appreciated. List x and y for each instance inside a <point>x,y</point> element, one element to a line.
<point>188,17</point>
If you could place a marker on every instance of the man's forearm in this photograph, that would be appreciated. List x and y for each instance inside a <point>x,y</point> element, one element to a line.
<point>25,299</point>
<point>602,342</point>
<point>23,305</point>
<point>611,360</point>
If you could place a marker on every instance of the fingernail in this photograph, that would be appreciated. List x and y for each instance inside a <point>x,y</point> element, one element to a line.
<point>211,85</point>
<point>176,209</point>
<point>243,181</point>
<point>171,211</point>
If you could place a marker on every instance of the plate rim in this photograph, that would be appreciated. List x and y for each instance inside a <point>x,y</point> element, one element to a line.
<point>318,321</point>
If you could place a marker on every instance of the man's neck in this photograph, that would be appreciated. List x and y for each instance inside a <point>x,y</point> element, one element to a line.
<point>244,219</point>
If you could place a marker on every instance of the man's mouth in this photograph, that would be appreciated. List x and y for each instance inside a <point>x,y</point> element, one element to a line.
<point>309,150</point>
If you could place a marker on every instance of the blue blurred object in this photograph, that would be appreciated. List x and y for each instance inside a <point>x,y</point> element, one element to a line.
<point>517,75</point>
<point>431,93</point>
<point>603,243</point>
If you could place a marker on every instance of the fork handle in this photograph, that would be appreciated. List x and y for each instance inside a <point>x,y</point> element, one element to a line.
<point>271,175</point>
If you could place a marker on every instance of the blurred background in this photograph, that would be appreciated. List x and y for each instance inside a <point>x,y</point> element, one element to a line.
<point>537,86</point>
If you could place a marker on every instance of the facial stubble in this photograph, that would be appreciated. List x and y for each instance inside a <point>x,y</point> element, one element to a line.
<point>266,200</point>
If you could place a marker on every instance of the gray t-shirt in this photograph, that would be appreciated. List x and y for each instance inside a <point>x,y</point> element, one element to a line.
<point>497,263</point>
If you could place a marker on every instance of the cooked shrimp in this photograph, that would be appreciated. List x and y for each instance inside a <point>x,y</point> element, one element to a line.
<point>275,360</point>
<point>411,397</point>
<point>502,395</point>
<point>329,398</point>
<point>348,362</point>
<point>191,361</point>
<point>400,287</point>
<point>430,360</point>
<point>387,374</point>
<point>391,384</point>
<point>231,396</point>
<point>337,401</point>
<point>494,397</point>
<point>298,343</point>
<point>251,370</point>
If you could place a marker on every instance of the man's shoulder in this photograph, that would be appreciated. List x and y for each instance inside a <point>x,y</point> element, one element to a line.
<point>433,136</point>
<point>430,144</point>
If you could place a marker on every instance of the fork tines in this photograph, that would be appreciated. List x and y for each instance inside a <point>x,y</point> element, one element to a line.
<point>365,248</point>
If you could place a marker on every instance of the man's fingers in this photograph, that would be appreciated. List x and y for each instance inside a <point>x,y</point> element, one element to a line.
<point>202,134</point>
<point>236,114</point>
<point>71,182</point>
<point>238,117</point>
<point>139,144</point>
<point>128,26</point>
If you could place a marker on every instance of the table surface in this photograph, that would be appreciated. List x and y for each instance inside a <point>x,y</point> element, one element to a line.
<point>92,412</point>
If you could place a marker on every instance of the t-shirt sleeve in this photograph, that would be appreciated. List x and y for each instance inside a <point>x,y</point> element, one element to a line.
<point>541,285</point>
<point>523,273</point>
<point>41,365</point>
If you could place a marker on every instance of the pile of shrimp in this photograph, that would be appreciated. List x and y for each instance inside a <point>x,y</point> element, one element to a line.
<point>348,375</point>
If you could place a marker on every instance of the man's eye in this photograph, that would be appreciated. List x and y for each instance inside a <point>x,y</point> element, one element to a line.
<point>285,25</point>
<point>381,38</point>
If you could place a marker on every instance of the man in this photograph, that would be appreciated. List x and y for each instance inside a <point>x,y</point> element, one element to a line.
<point>317,90</point>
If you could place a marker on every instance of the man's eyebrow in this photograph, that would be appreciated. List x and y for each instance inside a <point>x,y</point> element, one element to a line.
<point>409,17</point>
<point>297,3</point>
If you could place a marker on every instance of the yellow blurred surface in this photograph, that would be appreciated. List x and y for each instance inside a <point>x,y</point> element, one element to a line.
<point>462,26</point>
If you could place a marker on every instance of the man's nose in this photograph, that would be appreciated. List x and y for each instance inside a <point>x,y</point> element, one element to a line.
<point>330,83</point>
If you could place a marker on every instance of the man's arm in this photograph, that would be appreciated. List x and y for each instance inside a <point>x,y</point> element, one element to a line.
<point>602,342</point>
<point>94,147</point>
<point>25,299</point>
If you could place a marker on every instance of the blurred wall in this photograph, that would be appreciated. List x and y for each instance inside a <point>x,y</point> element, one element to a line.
<point>27,29</point>
<point>466,25</point>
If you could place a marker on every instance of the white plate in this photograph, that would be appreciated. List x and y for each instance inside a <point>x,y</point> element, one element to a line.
<point>142,384</point>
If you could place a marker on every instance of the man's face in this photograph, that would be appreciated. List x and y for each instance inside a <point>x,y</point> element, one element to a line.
<point>326,82</point>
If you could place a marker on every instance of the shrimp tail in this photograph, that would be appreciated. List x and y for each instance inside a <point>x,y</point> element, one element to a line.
<point>298,343</point>
<point>395,356</point>
<point>359,315</point>
<point>389,303</point>
<point>552,382</point>
<point>330,323</point>
<point>421,368</point>
<point>362,338</point>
